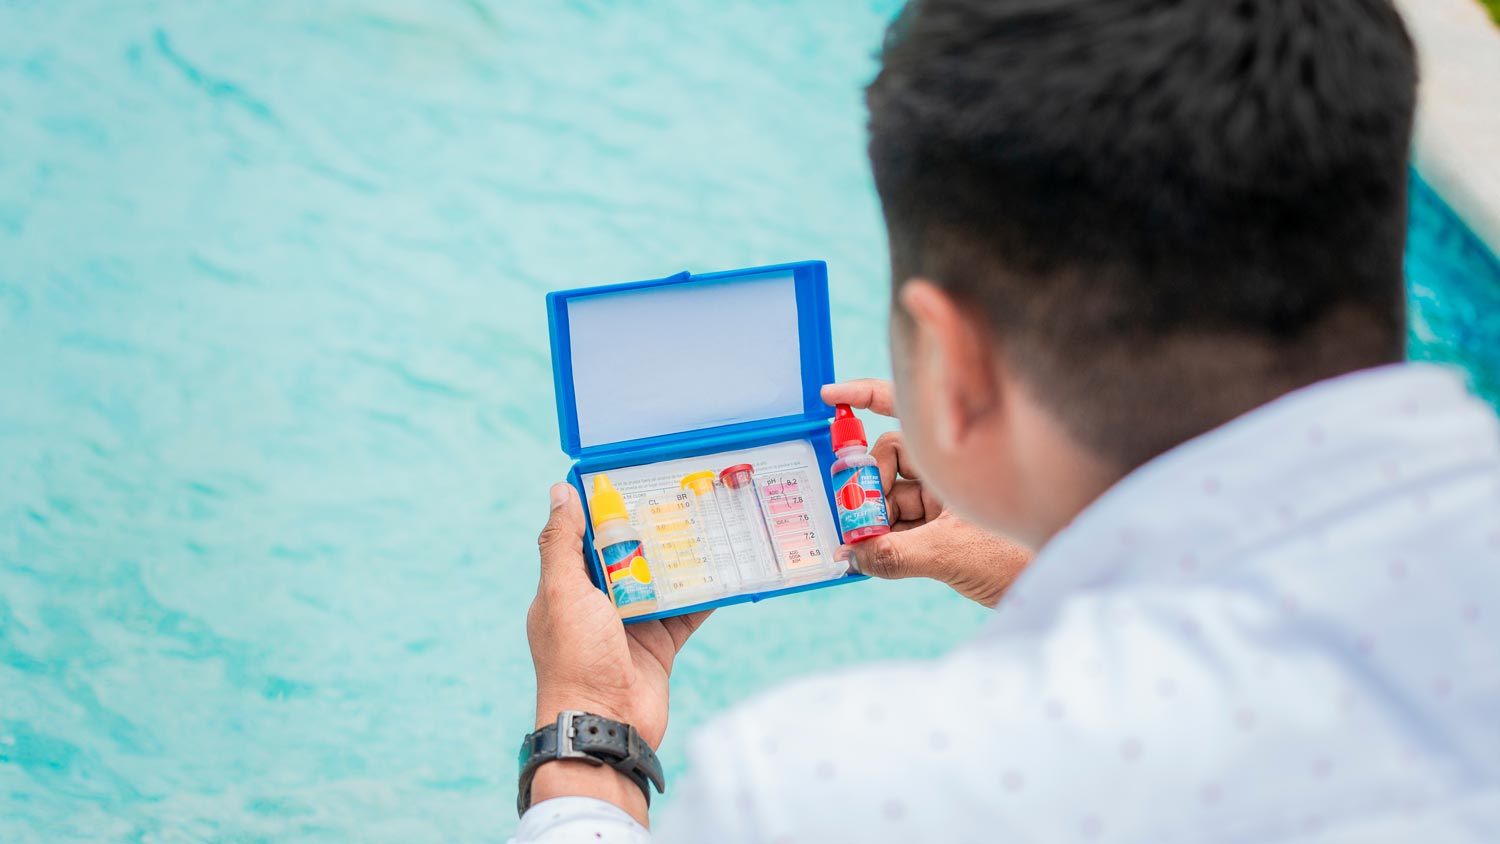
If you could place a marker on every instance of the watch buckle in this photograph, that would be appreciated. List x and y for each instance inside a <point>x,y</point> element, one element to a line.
<point>567,730</point>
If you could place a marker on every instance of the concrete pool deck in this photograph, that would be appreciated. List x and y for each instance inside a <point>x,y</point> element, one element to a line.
<point>1457,145</point>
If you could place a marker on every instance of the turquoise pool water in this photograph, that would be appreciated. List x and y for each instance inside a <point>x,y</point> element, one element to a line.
<point>276,415</point>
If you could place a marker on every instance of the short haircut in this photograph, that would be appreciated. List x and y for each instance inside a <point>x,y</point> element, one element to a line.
<point>1169,211</point>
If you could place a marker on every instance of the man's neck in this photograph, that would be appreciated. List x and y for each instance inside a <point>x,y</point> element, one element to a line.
<point>1058,478</point>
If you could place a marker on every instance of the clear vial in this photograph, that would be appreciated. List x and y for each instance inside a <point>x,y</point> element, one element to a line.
<point>708,514</point>
<point>754,554</point>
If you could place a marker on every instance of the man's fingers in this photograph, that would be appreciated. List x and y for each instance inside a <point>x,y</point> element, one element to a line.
<point>889,557</point>
<point>978,565</point>
<point>864,394</point>
<point>892,458</point>
<point>905,501</point>
<point>561,541</point>
<point>680,627</point>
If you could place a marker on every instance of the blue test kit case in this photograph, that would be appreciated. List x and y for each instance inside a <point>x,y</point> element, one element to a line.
<point>692,365</point>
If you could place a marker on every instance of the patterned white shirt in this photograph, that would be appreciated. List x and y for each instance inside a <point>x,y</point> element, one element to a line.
<point>1287,629</point>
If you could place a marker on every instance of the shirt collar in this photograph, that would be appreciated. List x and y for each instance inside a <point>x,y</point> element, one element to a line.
<point>1285,468</point>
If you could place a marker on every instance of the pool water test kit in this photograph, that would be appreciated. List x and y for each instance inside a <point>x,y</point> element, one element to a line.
<point>711,471</point>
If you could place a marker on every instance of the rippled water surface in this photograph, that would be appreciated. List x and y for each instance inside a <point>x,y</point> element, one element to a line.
<point>276,415</point>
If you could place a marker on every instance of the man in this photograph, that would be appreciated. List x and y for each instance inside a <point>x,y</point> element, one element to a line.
<point>1147,318</point>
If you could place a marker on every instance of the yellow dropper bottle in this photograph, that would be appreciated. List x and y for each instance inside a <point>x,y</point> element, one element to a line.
<point>626,572</point>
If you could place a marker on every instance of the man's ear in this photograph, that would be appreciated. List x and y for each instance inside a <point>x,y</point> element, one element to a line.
<point>954,361</point>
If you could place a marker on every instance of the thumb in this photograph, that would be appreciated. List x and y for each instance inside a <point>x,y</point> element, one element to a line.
<point>561,540</point>
<point>891,556</point>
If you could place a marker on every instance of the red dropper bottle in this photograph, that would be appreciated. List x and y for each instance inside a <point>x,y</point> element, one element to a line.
<point>856,480</point>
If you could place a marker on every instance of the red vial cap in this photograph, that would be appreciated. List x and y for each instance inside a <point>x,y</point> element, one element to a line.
<point>847,430</point>
<point>730,476</point>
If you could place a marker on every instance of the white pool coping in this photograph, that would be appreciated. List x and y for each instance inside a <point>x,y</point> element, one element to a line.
<point>1457,144</point>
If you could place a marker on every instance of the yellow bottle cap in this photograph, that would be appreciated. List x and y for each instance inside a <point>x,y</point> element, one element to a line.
<point>606,503</point>
<point>701,483</point>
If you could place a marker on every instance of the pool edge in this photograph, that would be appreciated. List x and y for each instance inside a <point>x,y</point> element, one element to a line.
<point>1456,149</point>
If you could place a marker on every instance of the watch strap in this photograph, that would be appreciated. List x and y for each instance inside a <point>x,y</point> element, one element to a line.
<point>594,739</point>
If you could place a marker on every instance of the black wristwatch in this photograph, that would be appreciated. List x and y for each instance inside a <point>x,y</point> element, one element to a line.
<point>596,740</point>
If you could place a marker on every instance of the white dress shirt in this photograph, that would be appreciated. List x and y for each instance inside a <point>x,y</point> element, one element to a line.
<point>1287,629</point>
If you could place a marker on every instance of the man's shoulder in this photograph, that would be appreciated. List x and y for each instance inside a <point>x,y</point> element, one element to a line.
<point>857,740</point>
<point>1042,732</point>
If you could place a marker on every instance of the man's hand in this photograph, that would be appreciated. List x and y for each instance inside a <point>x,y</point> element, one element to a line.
<point>925,540</point>
<point>586,659</point>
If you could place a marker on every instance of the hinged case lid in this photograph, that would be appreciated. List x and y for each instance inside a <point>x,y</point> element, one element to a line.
<point>645,363</point>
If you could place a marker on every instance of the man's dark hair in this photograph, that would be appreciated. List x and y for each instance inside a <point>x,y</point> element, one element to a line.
<point>1170,211</point>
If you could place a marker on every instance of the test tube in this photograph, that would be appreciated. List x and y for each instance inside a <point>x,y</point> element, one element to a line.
<point>708,512</point>
<point>754,553</point>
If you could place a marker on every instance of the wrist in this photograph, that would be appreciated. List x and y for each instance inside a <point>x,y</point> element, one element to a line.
<point>550,706</point>
<point>588,754</point>
<point>577,778</point>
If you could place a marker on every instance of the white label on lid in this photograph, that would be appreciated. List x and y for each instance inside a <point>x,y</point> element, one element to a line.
<point>684,357</point>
